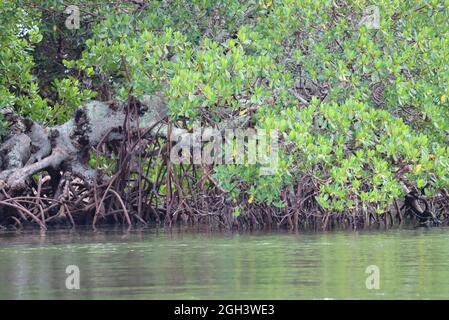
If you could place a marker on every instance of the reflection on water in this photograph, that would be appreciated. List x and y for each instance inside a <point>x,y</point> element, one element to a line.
<point>205,265</point>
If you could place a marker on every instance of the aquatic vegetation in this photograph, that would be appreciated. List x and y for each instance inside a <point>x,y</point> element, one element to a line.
<point>361,105</point>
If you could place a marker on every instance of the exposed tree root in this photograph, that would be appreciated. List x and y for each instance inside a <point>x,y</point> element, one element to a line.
<point>46,179</point>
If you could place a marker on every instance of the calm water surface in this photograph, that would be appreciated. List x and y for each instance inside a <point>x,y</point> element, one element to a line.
<point>183,264</point>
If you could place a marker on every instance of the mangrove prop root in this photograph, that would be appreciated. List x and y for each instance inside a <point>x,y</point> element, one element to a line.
<point>47,178</point>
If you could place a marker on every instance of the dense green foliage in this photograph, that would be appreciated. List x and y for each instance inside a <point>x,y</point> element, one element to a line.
<point>19,83</point>
<point>19,33</point>
<point>372,108</point>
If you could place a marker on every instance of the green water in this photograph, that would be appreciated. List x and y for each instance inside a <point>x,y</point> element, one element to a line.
<point>187,264</point>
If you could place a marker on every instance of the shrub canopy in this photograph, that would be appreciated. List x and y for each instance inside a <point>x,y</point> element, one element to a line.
<point>360,108</point>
